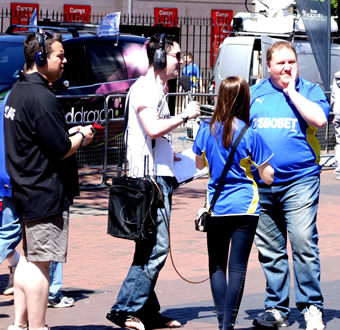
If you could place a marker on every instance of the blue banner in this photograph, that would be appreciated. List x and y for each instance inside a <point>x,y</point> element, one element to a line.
<point>316,16</point>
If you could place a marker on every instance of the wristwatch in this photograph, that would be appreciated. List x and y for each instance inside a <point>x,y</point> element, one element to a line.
<point>84,139</point>
<point>184,115</point>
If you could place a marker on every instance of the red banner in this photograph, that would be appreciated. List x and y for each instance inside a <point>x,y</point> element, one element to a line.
<point>166,17</point>
<point>22,12</point>
<point>220,24</point>
<point>77,13</point>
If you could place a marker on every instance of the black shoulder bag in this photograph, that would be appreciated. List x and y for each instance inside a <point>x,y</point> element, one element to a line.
<point>133,202</point>
<point>203,216</point>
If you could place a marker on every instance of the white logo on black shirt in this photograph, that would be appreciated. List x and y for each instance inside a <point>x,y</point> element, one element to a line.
<point>9,112</point>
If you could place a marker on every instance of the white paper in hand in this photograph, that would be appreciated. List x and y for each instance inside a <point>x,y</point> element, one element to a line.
<point>185,169</point>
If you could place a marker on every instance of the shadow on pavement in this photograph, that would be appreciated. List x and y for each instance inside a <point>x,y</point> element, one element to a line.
<point>79,294</point>
<point>3,282</point>
<point>330,314</point>
<point>186,314</point>
<point>6,303</point>
<point>82,327</point>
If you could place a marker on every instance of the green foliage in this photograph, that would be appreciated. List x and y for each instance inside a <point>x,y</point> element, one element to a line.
<point>334,7</point>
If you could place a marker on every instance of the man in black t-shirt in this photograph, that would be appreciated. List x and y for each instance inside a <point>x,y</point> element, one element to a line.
<point>40,159</point>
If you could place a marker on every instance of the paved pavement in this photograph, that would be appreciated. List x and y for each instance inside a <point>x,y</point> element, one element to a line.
<point>97,264</point>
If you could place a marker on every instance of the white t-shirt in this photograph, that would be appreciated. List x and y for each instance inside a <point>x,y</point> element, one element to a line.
<point>147,92</point>
<point>335,96</point>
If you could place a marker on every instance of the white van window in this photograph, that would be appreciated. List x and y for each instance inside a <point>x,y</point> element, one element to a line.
<point>307,65</point>
<point>308,69</point>
<point>236,64</point>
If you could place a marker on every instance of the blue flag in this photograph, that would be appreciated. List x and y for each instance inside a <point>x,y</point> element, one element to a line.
<point>34,21</point>
<point>109,26</point>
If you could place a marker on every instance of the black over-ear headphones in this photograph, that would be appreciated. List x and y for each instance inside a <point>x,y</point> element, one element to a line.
<point>159,59</point>
<point>40,56</point>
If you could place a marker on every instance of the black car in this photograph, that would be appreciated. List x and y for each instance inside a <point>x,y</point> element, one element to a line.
<point>96,68</point>
<point>11,60</point>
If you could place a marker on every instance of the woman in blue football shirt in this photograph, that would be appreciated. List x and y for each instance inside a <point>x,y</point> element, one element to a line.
<point>236,212</point>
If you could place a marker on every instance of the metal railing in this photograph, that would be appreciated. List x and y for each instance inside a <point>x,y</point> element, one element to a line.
<point>103,154</point>
<point>194,33</point>
<point>195,36</point>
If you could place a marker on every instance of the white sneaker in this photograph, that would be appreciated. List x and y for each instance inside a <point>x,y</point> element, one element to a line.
<point>64,302</point>
<point>313,318</point>
<point>271,318</point>
<point>15,327</point>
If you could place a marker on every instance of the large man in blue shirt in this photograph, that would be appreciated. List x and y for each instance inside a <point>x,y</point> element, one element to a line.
<point>287,111</point>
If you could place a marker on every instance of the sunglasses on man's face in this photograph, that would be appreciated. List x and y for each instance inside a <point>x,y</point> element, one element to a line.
<point>178,55</point>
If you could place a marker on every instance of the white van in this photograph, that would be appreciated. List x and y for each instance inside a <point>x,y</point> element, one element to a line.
<point>244,54</point>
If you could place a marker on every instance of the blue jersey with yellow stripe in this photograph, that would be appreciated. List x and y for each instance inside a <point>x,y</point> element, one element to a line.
<point>239,195</point>
<point>294,143</point>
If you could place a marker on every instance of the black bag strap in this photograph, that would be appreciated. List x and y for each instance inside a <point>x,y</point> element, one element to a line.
<point>226,168</point>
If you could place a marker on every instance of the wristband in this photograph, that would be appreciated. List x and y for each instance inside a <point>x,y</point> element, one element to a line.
<point>184,116</point>
<point>84,139</point>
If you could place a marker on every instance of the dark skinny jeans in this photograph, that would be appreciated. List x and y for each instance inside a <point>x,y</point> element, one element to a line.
<point>235,233</point>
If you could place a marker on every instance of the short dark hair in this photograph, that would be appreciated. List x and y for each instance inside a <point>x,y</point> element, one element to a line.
<point>32,47</point>
<point>153,44</point>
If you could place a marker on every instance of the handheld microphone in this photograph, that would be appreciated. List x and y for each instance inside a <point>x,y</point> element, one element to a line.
<point>185,82</point>
<point>98,126</point>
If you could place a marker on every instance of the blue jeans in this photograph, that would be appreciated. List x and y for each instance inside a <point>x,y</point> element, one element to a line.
<point>10,228</point>
<point>292,208</point>
<point>56,280</point>
<point>234,233</point>
<point>137,291</point>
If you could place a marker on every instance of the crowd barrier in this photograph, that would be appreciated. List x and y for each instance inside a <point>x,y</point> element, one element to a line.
<point>104,154</point>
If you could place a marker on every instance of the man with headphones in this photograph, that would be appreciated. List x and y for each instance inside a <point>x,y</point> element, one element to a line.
<point>149,151</point>
<point>40,160</point>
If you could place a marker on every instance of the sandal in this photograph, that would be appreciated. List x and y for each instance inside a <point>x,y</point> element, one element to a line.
<point>160,322</point>
<point>133,322</point>
<point>125,321</point>
<point>172,324</point>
